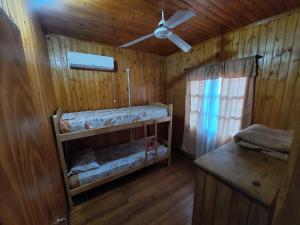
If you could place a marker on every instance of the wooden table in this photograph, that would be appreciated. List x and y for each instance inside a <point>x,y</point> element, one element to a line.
<point>236,186</point>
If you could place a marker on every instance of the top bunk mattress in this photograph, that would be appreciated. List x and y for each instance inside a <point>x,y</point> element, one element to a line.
<point>79,121</point>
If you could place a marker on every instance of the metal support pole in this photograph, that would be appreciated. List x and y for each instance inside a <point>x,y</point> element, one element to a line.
<point>129,86</point>
<point>129,96</point>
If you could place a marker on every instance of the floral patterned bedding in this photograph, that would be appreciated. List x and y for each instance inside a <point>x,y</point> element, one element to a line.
<point>116,159</point>
<point>79,121</point>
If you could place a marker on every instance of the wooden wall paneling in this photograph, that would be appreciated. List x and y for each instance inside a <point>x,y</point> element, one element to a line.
<point>138,77</point>
<point>276,84</point>
<point>163,79</point>
<point>274,69</point>
<point>263,97</point>
<point>254,49</point>
<point>90,85</point>
<point>254,40</point>
<point>86,89</point>
<point>241,43</point>
<point>296,100</point>
<point>283,67</point>
<point>65,76</point>
<point>217,49</point>
<point>55,73</point>
<point>109,81</point>
<point>81,80</point>
<point>57,67</point>
<point>290,98</point>
<point>176,83</point>
<point>71,80</point>
<point>35,167</point>
<point>119,90</point>
<point>260,51</point>
<point>198,53</point>
<point>248,42</point>
<point>226,43</point>
<point>235,44</point>
<point>131,59</point>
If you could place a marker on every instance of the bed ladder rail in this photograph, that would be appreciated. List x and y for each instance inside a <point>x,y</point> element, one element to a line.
<point>150,141</point>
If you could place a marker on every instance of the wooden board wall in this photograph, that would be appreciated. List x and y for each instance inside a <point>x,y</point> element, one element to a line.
<point>278,85</point>
<point>85,89</point>
<point>34,179</point>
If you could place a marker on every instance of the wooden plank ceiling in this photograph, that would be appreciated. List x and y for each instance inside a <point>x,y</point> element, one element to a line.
<point>116,22</point>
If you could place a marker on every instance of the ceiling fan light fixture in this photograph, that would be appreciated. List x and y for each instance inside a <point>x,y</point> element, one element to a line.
<point>161,32</point>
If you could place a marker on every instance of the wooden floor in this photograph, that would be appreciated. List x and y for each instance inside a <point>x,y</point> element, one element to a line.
<point>155,195</point>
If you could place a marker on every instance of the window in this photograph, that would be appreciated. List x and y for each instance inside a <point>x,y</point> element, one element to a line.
<point>219,100</point>
<point>216,110</point>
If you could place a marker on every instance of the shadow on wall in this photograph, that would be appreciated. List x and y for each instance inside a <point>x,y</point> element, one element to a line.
<point>178,126</point>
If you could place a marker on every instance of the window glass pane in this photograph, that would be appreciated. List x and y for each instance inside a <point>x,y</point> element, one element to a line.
<point>193,119</point>
<point>195,87</point>
<point>216,109</point>
<point>194,103</point>
<point>231,106</point>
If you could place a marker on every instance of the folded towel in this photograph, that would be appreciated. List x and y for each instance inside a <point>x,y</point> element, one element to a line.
<point>270,141</point>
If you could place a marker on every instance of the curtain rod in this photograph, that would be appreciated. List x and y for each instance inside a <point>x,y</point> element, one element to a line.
<point>254,56</point>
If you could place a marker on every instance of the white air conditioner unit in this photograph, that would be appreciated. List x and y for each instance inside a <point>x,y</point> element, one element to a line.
<point>79,60</point>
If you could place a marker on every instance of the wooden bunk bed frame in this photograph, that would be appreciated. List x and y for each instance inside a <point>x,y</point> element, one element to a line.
<point>64,137</point>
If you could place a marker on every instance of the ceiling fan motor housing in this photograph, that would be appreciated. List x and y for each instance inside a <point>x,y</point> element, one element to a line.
<point>161,32</point>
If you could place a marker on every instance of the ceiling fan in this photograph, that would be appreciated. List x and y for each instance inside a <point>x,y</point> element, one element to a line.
<point>164,31</point>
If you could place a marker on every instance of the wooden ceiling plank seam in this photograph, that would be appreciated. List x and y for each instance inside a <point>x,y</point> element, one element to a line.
<point>229,8</point>
<point>253,9</point>
<point>206,12</point>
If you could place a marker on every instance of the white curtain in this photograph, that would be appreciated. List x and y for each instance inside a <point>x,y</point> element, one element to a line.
<point>218,104</point>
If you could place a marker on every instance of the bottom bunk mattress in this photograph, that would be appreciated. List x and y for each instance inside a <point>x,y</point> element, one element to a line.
<point>110,161</point>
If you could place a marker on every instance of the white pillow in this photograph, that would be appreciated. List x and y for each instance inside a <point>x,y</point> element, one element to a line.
<point>83,160</point>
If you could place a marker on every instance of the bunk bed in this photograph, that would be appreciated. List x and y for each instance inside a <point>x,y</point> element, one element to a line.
<point>115,161</point>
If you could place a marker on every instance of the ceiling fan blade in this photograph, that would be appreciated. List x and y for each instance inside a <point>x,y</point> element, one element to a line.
<point>178,18</point>
<point>136,40</point>
<point>179,42</point>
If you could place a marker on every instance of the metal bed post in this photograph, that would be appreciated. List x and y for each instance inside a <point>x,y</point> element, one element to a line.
<point>129,96</point>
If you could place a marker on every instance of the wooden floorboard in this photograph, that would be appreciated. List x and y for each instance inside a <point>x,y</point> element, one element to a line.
<point>153,196</point>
